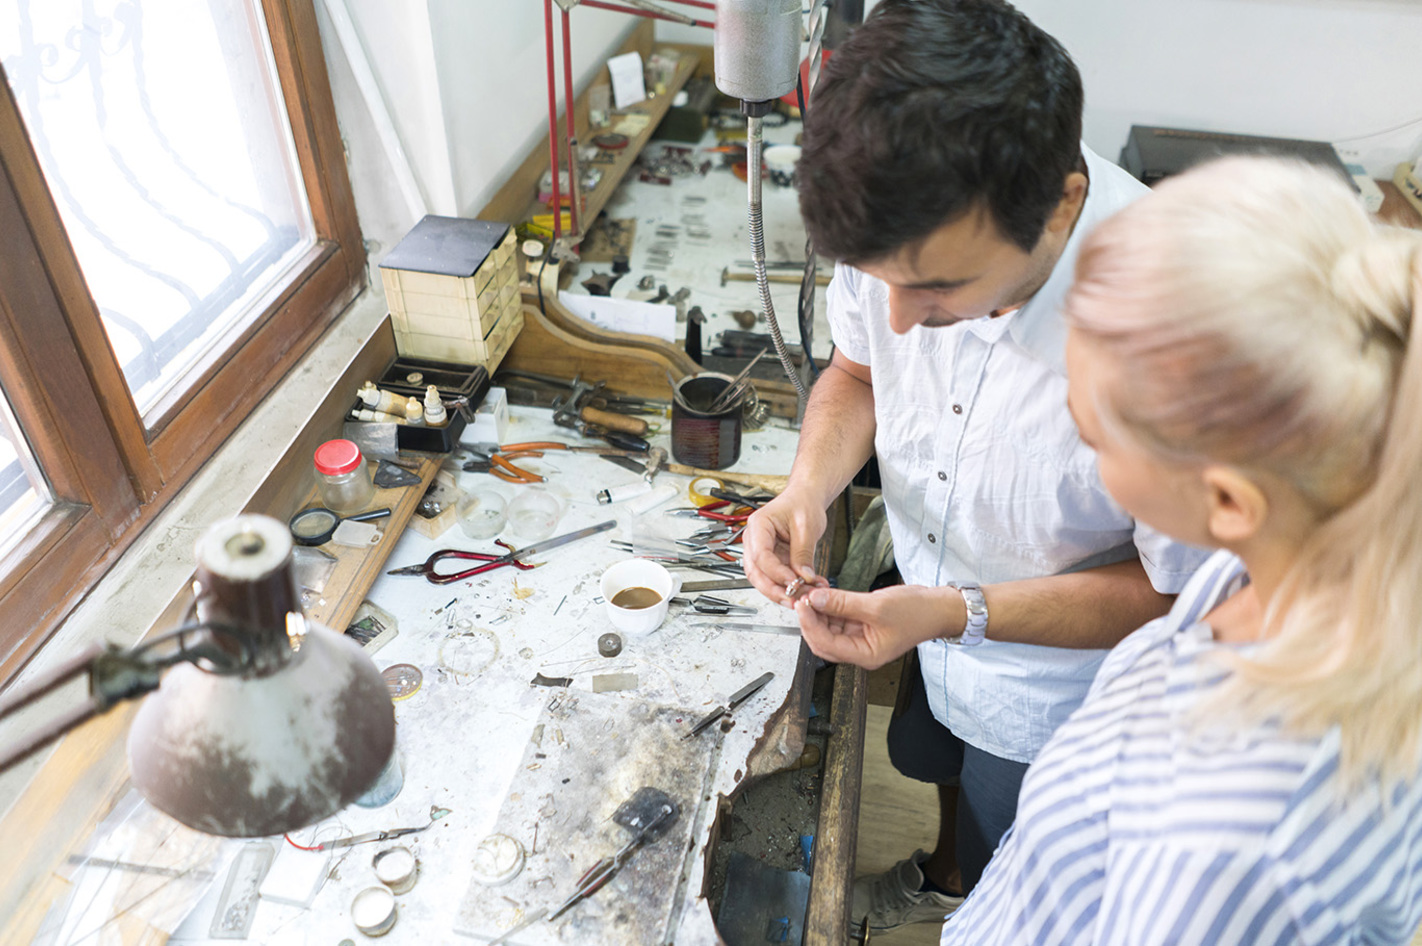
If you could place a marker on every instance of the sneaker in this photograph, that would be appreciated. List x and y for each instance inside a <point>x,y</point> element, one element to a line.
<point>893,899</point>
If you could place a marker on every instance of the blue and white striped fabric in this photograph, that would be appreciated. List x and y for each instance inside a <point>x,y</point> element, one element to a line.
<point>1136,826</point>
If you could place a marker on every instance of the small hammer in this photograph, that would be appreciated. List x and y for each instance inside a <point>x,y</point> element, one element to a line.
<point>656,461</point>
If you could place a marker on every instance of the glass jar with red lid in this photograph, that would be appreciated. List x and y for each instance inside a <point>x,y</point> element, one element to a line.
<point>343,477</point>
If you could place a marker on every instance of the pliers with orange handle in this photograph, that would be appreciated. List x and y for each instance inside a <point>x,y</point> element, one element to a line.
<point>500,464</point>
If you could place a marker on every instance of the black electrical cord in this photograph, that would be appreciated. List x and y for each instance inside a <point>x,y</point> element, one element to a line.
<point>539,281</point>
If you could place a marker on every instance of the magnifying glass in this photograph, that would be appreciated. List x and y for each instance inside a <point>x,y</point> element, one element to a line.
<point>316,525</point>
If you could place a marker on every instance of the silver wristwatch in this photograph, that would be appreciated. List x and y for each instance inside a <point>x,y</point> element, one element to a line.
<point>975,628</point>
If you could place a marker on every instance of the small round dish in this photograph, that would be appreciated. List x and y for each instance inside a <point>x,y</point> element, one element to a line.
<point>402,680</point>
<point>396,868</point>
<point>497,860</point>
<point>373,911</point>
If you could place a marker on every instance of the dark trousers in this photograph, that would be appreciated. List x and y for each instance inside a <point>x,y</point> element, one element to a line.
<point>924,749</point>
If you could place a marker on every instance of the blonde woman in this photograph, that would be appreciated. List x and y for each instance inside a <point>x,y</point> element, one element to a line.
<point>1245,769</point>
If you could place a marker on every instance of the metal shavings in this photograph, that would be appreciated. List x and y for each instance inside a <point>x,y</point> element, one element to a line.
<point>560,605</point>
<point>539,680</point>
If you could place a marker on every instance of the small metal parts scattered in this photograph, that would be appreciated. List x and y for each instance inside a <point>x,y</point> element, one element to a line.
<point>794,588</point>
<point>539,680</point>
<point>497,860</point>
<point>609,645</point>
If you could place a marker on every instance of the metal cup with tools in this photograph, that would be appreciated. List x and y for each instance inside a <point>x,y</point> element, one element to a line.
<point>707,417</point>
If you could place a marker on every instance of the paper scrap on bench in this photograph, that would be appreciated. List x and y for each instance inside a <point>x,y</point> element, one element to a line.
<point>623,315</point>
<point>628,86</point>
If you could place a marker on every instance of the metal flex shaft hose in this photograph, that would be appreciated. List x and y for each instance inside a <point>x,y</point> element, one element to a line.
<point>755,144</point>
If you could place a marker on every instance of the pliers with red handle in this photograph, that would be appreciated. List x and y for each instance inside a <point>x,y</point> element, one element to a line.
<point>492,561</point>
<point>708,511</point>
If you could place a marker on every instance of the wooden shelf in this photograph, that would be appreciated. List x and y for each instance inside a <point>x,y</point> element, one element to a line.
<point>357,569</point>
<point>516,200</point>
<point>654,109</point>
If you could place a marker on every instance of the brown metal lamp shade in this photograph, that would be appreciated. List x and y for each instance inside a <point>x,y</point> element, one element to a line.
<point>294,738</point>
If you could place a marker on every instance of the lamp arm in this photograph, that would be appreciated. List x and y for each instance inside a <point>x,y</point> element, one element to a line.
<point>116,675</point>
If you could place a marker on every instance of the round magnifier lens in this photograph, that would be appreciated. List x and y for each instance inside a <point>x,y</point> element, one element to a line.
<point>314,526</point>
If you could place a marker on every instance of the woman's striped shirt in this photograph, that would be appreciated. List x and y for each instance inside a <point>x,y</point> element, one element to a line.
<point>1137,826</point>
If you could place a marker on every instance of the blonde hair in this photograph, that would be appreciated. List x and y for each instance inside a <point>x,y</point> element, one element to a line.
<point>1259,318</point>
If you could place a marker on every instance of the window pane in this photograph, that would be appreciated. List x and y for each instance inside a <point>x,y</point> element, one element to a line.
<point>24,495</point>
<point>162,135</point>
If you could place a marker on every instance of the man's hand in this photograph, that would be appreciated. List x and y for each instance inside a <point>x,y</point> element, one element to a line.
<point>871,629</point>
<point>780,542</point>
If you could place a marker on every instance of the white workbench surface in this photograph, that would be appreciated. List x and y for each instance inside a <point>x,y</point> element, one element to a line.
<point>716,206</point>
<point>462,735</point>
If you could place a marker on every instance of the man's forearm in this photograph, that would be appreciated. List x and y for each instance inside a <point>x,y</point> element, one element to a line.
<point>836,435</point>
<point>1093,608</point>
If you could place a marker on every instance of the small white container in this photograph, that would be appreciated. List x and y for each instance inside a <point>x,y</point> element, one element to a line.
<point>483,513</point>
<point>396,868</point>
<point>491,419</point>
<point>373,911</point>
<point>638,573</point>
<point>534,514</point>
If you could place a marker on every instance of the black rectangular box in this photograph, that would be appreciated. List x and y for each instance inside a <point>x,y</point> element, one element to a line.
<point>1153,153</point>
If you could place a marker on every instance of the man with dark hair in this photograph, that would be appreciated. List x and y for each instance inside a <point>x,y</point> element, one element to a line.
<point>943,168</point>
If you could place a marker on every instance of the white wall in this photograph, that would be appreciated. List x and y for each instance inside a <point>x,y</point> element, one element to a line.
<point>1326,70</point>
<point>465,83</point>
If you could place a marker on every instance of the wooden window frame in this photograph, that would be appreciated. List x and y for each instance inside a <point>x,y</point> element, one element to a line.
<point>109,473</point>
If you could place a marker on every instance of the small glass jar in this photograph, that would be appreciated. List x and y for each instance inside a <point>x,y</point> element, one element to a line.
<point>342,477</point>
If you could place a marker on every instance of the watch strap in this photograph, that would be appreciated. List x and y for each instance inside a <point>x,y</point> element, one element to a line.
<point>975,627</point>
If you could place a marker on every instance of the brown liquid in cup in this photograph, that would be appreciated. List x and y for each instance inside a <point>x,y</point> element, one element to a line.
<point>636,598</point>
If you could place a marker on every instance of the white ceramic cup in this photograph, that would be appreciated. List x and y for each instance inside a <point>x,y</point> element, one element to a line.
<point>638,573</point>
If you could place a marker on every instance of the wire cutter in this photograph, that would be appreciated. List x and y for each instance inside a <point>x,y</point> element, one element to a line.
<point>500,464</point>
<point>492,561</point>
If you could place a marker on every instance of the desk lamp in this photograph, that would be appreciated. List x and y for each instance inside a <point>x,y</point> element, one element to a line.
<point>263,723</point>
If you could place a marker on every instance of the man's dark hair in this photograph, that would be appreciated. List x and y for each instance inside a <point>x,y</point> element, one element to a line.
<point>931,109</point>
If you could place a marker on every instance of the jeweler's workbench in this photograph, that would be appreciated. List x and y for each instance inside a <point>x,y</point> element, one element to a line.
<point>547,766</point>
